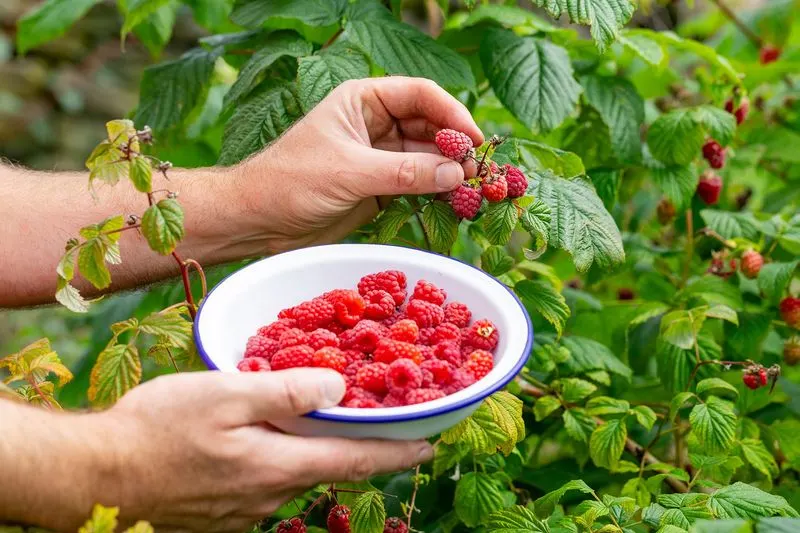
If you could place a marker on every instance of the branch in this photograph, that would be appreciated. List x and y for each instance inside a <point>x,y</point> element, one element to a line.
<point>728,12</point>
<point>413,498</point>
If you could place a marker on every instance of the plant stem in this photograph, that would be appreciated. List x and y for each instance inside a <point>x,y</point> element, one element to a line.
<point>126,228</point>
<point>172,359</point>
<point>413,497</point>
<point>689,245</point>
<point>711,362</point>
<point>38,390</point>
<point>201,273</point>
<point>333,38</point>
<point>187,286</point>
<point>415,204</point>
<point>730,15</point>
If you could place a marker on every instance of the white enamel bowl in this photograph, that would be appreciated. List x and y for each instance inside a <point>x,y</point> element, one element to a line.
<point>253,296</point>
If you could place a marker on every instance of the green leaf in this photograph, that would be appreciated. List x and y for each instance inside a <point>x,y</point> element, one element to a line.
<point>786,432</point>
<point>775,277</point>
<point>477,496</point>
<point>540,156</point>
<point>172,325</point>
<point>587,354</point>
<point>156,30</point>
<point>777,525</point>
<point>447,456</point>
<point>580,223</point>
<point>541,296</point>
<point>574,390</point>
<point>606,17</point>
<point>675,365</point>
<point>606,184</point>
<point>496,425</point>
<point>701,50</point>
<point>317,75</point>
<point>517,519</point>
<point>645,416</point>
<point>718,123</point>
<point>677,182</point>
<point>48,21</point>
<point>69,297</point>
<point>645,44</point>
<point>402,49</point>
<point>605,405</point>
<point>257,13</point>
<point>621,109</point>
<point>546,504</point>
<point>757,455</point>
<point>496,261</point>
<point>391,220</point>
<point>536,221</point>
<point>441,225</point>
<point>545,406</point>
<point>103,520</point>
<point>681,327</point>
<point>730,225</point>
<point>170,91</point>
<point>367,514</point>
<point>117,370</point>
<point>745,501</point>
<point>608,442</point>
<point>714,425</point>
<point>137,11</point>
<point>716,386</point>
<point>579,424</point>
<point>531,77</point>
<point>499,221</point>
<point>141,174</point>
<point>712,290</point>
<point>92,263</point>
<point>675,138</point>
<point>162,226</point>
<point>721,526</point>
<point>260,118</point>
<point>722,312</point>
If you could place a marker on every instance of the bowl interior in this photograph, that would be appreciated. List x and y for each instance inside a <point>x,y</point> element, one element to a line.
<point>254,295</point>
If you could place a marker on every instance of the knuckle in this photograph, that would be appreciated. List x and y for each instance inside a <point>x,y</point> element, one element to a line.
<point>407,173</point>
<point>359,467</point>
<point>296,399</point>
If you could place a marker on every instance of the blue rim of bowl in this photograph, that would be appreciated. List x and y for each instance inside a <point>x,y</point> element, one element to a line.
<point>388,419</point>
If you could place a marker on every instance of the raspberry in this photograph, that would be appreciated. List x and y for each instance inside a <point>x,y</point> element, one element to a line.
<point>461,380</point>
<point>446,333</point>
<point>427,291</point>
<point>790,311</point>
<point>317,313</point>
<point>625,293</point>
<point>479,363</point>
<point>750,381</point>
<point>709,187</point>
<point>466,202</point>
<point>453,144</point>
<point>339,519</point>
<point>372,377</point>
<point>394,525</point>
<point>380,305</point>
<point>426,351</point>
<point>293,337</point>
<point>740,112</point>
<point>516,180</point>
<point>364,337</point>
<point>392,320</point>
<point>253,364</point>
<point>482,335</point>
<point>440,370</point>
<point>319,338</point>
<point>494,189</point>
<point>389,350</point>
<point>287,313</point>
<point>263,347</point>
<point>394,400</point>
<point>404,330</point>
<point>415,396</point>
<point>665,211</point>
<point>352,356</point>
<point>330,357</point>
<point>762,376</point>
<point>425,314</point>
<point>291,357</point>
<point>351,370</point>
<point>768,54</point>
<point>336,328</point>
<point>357,393</point>
<point>458,314</point>
<point>791,351</point>
<point>277,328</point>
<point>362,403</point>
<point>293,525</point>
<point>426,336</point>
<point>449,352</point>
<point>403,375</point>
<point>752,262</point>
<point>391,281</point>
<point>348,306</point>
<point>714,154</point>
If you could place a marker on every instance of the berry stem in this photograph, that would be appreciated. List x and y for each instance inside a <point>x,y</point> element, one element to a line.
<point>730,15</point>
<point>415,204</point>
<point>126,228</point>
<point>172,360</point>
<point>413,498</point>
<point>713,362</point>
<point>689,245</point>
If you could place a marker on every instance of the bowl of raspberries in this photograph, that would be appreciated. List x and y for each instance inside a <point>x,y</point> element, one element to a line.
<point>419,338</point>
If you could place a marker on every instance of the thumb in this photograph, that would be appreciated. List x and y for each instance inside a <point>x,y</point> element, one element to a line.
<point>397,173</point>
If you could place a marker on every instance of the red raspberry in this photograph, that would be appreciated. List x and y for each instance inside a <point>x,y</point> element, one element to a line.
<point>364,337</point>
<point>425,290</point>
<point>277,328</point>
<point>426,351</point>
<point>625,293</point>
<point>404,330</point>
<point>741,112</point>
<point>339,519</point>
<point>353,356</point>
<point>391,281</point>
<point>752,262</point>
<point>348,306</point>
<point>394,525</point>
<point>762,376</point>
<point>450,352</point>
<point>425,314</point>
<point>317,313</point>
<point>336,328</point>
<point>440,370</point>
<point>403,375</point>
<point>287,313</point>
<point>380,305</point>
<point>389,350</point>
<point>791,351</point>
<point>768,54</point>
<point>446,333</point>
<point>293,337</point>
<point>453,144</point>
<point>466,202</point>
<point>392,320</point>
<point>458,314</point>
<point>461,380</point>
<point>517,182</point>
<point>293,525</point>
<point>263,347</point>
<point>751,381</point>
<point>351,370</point>
<point>426,336</point>
<point>330,357</point>
<point>709,187</point>
<point>415,396</point>
<point>495,189</point>
<point>292,357</point>
<point>790,311</point>
<point>362,403</point>
<point>466,349</point>
<point>479,363</point>
<point>394,400</point>
<point>482,335</point>
<point>253,364</point>
<point>319,338</point>
<point>714,154</point>
<point>372,377</point>
<point>357,393</point>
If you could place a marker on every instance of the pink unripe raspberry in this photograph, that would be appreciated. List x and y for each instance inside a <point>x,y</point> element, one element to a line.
<point>453,144</point>
<point>752,262</point>
<point>466,202</point>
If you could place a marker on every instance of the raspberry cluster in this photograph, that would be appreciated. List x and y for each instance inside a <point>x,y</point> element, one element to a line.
<point>395,345</point>
<point>755,376</point>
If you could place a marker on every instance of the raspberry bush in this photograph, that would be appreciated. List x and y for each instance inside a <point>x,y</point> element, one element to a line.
<point>638,192</point>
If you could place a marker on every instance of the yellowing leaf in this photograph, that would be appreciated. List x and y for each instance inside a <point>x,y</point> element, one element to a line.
<point>140,527</point>
<point>496,425</point>
<point>117,370</point>
<point>103,520</point>
<point>171,325</point>
<point>34,363</point>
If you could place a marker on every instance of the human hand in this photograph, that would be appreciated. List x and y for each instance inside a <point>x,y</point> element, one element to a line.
<point>369,138</point>
<point>195,453</point>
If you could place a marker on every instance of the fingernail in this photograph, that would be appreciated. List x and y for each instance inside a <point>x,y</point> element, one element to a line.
<point>333,387</point>
<point>449,176</point>
<point>425,453</point>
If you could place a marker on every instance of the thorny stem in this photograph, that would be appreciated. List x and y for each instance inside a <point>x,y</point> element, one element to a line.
<point>413,497</point>
<point>689,245</point>
<point>314,504</point>
<point>730,15</point>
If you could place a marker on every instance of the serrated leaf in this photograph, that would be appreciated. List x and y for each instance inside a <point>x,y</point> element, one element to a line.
<point>605,405</point>
<point>718,123</point>
<point>716,386</point>
<point>775,277</point>
<point>712,290</point>
<point>675,138</point>
<point>517,519</point>
<point>117,370</point>
<point>786,432</point>
<point>680,328</point>
<point>317,75</point>
<point>774,525</point>
<point>35,362</point>
<point>140,527</point>
<point>677,182</point>
<point>645,416</point>
<point>391,220</point>
<point>137,11</point>
<point>162,226</point>
<point>69,297</point>
<point>621,109</point>
<point>579,222</point>
<point>545,406</point>
<point>499,221</point>
<point>541,297</point>
<point>731,225</point>
<point>741,500</point>
<point>105,163</point>
<point>573,390</point>
<point>587,354</point>
<point>714,425</point>
<point>606,184</point>
<point>605,17</point>
<point>367,514</point>
<point>155,29</point>
<point>496,425</point>
<point>608,442</point>
<point>579,424</point>
<point>531,77</point>
<point>477,496</point>
<point>540,156</point>
<point>92,263</point>
<point>645,44</point>
<point>496,261</point>
<point>48,21</point>
<point>447,456</point>
<point>536,221</point>
<point>171,325</point>
<point>722,312</point>
<point>757,455</point>
<point>141,174</point>
<point>701,50</point>
<point>103,520</point>
<point>546,504</point>
<point>257,13</point>
<point>441,225</point>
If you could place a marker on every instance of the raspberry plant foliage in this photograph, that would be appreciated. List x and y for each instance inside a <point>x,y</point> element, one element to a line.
<point>654,398</point>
